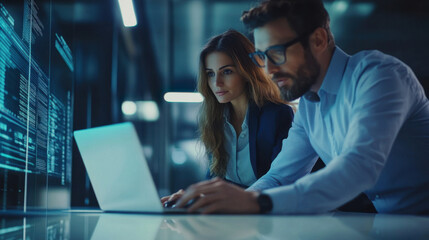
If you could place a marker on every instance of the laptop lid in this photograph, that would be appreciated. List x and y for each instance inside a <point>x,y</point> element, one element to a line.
<point>117,168</point>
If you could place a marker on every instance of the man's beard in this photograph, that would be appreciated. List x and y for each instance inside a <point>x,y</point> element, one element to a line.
<point>301,83</point>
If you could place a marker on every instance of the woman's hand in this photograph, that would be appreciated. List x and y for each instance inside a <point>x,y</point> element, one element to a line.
<point>172,198</point>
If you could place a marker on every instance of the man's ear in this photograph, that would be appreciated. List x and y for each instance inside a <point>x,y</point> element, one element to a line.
<point>318,41</point>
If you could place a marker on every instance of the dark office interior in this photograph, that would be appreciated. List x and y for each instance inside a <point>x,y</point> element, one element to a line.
<point>104,65</point>
<point>159,55</point>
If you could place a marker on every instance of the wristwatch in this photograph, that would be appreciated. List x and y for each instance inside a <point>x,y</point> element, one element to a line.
<point>265,203</point>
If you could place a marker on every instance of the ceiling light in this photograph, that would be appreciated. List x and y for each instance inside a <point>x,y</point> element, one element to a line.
<point>127,12</point>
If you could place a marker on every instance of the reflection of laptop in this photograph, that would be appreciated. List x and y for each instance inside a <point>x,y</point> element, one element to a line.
<point>118,170</point>
<point>127,226</point>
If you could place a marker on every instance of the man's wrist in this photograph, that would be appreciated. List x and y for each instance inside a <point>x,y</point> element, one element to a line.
<point>254,206</point>
<point>265,203</point>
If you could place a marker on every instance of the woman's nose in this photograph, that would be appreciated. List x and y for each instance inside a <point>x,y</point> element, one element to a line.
<point>219,81</point>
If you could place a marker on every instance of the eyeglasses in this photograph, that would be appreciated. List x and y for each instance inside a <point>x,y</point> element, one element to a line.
<point>276,54</point>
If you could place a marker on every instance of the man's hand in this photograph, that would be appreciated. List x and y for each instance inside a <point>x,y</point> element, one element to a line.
<point>218,196</point>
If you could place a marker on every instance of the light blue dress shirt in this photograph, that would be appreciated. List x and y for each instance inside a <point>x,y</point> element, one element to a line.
<point>239,168</point>
<point>371,128</point>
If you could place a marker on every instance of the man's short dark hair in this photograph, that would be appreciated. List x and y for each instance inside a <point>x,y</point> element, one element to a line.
<point>304,16</point>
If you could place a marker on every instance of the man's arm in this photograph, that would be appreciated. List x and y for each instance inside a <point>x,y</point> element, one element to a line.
<point>295,160</point>
<point>383,100</point>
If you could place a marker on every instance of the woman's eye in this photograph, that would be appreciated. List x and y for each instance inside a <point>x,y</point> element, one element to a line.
<point>210,74</point>
<point>227,71</point>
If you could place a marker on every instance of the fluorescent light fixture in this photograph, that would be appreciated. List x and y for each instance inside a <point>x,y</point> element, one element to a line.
<point>183,97</point>
<point>127,12</point>
<point>129,108</point>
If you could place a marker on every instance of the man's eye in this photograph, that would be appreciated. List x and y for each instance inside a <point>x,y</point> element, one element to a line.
<point>210,74</point>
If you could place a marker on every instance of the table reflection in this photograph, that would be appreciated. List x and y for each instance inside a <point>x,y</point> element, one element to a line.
<point>215,227</point>
<point>127,226</point>
<point>49,225</point>
<point>97,226</point>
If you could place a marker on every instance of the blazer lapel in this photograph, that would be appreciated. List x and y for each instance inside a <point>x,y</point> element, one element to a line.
<point>253,130</point>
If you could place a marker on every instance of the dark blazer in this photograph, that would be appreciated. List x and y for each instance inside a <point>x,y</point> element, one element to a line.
<point>268,126</point>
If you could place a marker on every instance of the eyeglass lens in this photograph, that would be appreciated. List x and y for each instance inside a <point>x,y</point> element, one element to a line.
<point>277,55</point>
<point>259,59</point>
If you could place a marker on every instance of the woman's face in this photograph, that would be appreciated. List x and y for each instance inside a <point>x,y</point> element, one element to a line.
<point>224,81</point>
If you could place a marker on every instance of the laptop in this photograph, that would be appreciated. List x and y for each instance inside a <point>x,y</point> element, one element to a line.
<point>118,171</point>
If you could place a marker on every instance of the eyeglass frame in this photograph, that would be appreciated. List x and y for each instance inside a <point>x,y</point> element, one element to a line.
<point>284,46</point>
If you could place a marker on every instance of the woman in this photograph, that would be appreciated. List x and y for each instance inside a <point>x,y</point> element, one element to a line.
<point>243,119</point>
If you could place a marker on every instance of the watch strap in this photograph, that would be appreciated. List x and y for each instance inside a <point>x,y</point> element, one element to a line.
<point>265,203</point>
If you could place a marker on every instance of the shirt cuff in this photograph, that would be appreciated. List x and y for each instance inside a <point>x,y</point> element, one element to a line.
<point>285,199</point>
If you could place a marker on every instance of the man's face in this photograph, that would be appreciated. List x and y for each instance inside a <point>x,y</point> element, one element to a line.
<point>299,72</point>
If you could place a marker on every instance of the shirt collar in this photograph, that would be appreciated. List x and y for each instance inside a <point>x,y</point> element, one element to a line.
<point>334,75</point>
<point>226,115</point>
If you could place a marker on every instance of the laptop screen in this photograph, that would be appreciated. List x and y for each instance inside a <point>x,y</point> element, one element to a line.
<point>117,168</point>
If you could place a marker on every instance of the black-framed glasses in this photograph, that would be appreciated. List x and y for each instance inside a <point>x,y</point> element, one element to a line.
<point>276,54</point>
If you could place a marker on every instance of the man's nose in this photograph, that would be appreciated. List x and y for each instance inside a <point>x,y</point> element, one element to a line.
<point>270,67</point>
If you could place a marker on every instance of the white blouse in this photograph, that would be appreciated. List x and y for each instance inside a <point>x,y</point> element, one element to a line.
<point>239,168</point>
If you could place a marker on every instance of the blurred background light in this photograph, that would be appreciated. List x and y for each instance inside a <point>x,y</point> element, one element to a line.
<point>178,156</point>
<point>129,108</point>
<point>147,110</point>
<point>183,97</point>
<point>128,13</point>
<point>364,9</point>
<point>340,6</point>
<point>140,110</point>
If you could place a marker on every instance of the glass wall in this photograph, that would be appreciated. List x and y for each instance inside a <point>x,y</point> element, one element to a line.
<point>36,96</point>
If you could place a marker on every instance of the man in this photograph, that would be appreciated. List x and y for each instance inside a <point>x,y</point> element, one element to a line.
<point>365,115</point>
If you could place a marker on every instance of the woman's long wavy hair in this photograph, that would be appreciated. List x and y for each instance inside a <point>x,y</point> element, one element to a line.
<point>259,89</point>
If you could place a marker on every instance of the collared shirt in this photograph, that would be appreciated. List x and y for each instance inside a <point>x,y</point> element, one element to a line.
<point>239,168</point>
<point>371,128</point>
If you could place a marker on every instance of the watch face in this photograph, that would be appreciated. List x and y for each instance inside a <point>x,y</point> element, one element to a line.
<point>265,203</point>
